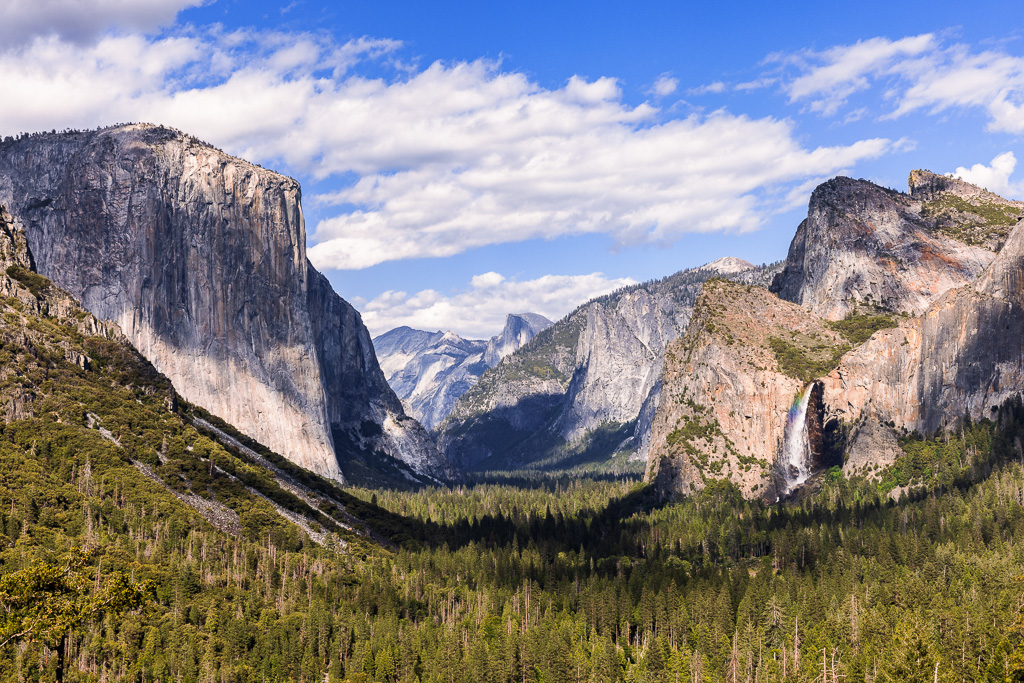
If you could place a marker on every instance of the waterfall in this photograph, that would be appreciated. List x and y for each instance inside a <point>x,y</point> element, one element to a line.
<point>796,448</point>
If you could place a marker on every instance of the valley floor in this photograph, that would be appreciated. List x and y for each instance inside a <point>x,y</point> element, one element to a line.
<point>546,579</point>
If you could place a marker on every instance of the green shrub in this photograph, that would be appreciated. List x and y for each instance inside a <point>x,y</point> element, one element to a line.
<point>857,329</point>
<point>33,282</point>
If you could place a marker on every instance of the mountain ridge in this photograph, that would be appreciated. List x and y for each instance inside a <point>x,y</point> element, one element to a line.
<point>583,389</point>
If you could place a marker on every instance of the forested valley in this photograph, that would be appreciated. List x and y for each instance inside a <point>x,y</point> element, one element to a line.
<point>544,580</point>
<point>143,539</point>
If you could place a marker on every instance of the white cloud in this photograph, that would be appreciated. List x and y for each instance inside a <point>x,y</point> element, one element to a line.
<point>756,84</point>
<point>479,312</point>
<point>956,78</point>
<point>664,86</point>
<point>78,20</point>
<point>995,177</point>
<point>536,178</point>
<point>444,159</point>
<point>830,77</point>
<point>713,88</point>
<point>487,280</point>
<point>915,73</point>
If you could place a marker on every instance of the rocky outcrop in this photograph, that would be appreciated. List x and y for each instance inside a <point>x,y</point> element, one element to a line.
<point>585,388</point>
<point>727,391</point>
<point>429,371</point>
<point>963,211</point>
<point>200,258</point>
<point>865,248</point>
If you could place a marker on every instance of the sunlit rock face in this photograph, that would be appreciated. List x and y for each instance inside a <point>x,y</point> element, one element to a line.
<point>865,247</point>
<point>728,407</point>
<point>963,356</point>
<point>200,257</point>
<point>948,256</point>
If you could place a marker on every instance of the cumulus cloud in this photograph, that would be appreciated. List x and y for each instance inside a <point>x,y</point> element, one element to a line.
<point>638,184</point>
<point>916,73</point>
<point>441,159</point>
<point>994,177</point>
<point>79,20</point>
<point>479,312</point>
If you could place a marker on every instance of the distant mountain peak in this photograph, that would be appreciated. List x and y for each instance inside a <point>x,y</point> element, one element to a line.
<point>535,320</point>
<point>430,370</point>
<point>728,265</point>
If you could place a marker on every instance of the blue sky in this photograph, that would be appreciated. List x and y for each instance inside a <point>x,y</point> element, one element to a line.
<point>464,160</point>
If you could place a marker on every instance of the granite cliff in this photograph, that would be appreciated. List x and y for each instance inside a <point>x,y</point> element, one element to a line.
<point>864,247</point>
<point>83,413</point>
<point>200,259</point>
<point>765,392</point>
<point>584,389</point>
<point>963,357</point>
<point>729,385</point>
<point>429,371</point>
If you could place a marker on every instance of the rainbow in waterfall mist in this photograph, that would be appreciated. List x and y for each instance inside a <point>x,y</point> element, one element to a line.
<point>794,466</point>
<point>798,411</point>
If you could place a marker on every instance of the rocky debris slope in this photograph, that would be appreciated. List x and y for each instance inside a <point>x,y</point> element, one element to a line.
<point>585,388</point>
<point>728,386</point>
<point>200,258</point>
<point>866,248</point>
<point>429,371</point>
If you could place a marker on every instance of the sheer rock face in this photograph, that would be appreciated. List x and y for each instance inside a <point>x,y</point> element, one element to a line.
<point>429,371</point>
<point>866,247</point>
<point>618,359</point>
<point>964,356</point>
<point>64,325</point>
<point>200,258</point>
<point>594,375</point>
<point>47,300</point>
<point>725,399</point>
